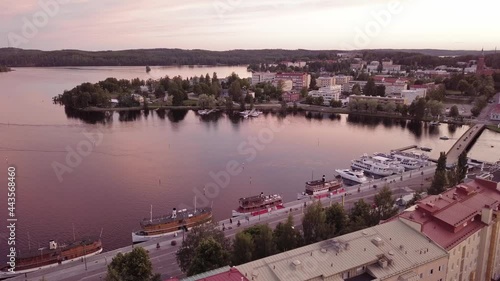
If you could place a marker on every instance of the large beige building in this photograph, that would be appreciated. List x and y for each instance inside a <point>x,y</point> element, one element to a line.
<point>392,251</point>
<point>464,221</point>
<point>325,81</point>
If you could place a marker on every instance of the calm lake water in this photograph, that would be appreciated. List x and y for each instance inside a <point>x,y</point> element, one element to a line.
<point>164,159</point>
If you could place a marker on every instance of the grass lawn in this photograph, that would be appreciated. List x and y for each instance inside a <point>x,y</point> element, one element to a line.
<point>454,93</point>
<point>493,128</point>
<point>189,103</point>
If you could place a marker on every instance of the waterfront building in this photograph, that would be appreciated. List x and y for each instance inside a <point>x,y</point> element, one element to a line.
<point>411,95</point>
<point>464,221</point>
<point>380,100</point>
<point>391,251</point>
<point>290,97</point>
<point>328,93</point>
<point>299,79</point>
<point>262,77</point>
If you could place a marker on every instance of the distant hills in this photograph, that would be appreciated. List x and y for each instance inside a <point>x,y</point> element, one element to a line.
<point>14,57</point>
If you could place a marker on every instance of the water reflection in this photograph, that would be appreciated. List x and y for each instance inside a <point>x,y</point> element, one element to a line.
<point>416,128</point>
<point>212,118</point>
<point>452,128</point>
<point>161,113</point>
<point>129,115</point>
<point>88,117</point>
<point>177,115</point>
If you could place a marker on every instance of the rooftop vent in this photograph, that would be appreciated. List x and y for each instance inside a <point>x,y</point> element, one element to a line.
<point>323,250</point>
<point>391,253</point>
<point>364,232</point>
<point>401,247</point>
<point>429,204</point>
<point>382,262</point>
<point>378,241</point>
<point>296,264</point>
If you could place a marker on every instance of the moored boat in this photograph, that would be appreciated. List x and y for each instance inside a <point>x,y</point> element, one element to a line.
<point>182,220</point>
<point>356,176</point>
<point>258,204</point>
<point>444,138</point>
<point>321,188</point>
<point>52,256</point>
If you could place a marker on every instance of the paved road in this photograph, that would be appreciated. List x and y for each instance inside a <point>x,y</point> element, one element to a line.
<point>164,261</point>
<point>463,142</point>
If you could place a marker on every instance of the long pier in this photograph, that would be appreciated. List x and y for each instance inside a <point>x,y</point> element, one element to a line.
<point>164,259</point>
<point>464,143</point>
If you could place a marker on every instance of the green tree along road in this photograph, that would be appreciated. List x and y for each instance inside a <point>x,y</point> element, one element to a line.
<point>440,181</point>
<point>187,252</point>
<point>286,237</point>
<point>132,266</point>
<point>209,255</point>
<point>314,225</point>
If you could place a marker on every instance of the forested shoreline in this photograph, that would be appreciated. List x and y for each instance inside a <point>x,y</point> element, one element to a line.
<point>35,58</point>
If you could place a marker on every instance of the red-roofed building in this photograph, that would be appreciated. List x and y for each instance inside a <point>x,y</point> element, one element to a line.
<point>299,79</point>
<point>464,221</point>
<point>495,113</point>
<point>231,275</point>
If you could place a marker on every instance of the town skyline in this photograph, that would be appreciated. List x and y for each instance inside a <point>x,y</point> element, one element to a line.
<point>227,25</point>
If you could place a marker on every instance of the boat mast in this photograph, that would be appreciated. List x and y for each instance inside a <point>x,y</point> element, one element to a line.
<point>100,235</point>
<point>151,214</point>
<point>73,225</point>
<point>195,204</point>
<point>29,242</point>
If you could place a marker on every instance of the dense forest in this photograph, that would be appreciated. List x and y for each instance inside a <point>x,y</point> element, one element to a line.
<point>18,57</point>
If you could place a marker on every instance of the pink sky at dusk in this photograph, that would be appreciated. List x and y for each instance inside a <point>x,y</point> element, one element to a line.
<point>245,24</point>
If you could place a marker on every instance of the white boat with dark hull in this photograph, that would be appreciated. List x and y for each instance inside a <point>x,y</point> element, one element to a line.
<point>377,165</point>
<point>414,160</point>
<point>352,175</point>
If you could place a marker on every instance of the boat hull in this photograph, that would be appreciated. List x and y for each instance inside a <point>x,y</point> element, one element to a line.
<point>320,195</point>
<point>16,273</point>
<point>236,213</point>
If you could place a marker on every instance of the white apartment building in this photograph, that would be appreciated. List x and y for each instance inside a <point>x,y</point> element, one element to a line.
<point>262,77</point>
<point>328,93</point>
<point>411,95</point>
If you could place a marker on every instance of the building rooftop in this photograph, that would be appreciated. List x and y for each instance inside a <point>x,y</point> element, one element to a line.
<point>454,215</point>
<point>496,109</point>
<point>221,274</point>
<point>386,250</point>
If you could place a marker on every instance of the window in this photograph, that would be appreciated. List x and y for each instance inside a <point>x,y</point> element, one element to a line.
<point>432,271</point>
<point>421,275</point>
<point>439,268</point>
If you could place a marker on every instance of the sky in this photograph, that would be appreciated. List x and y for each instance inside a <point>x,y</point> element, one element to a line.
<point>248,24</point>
